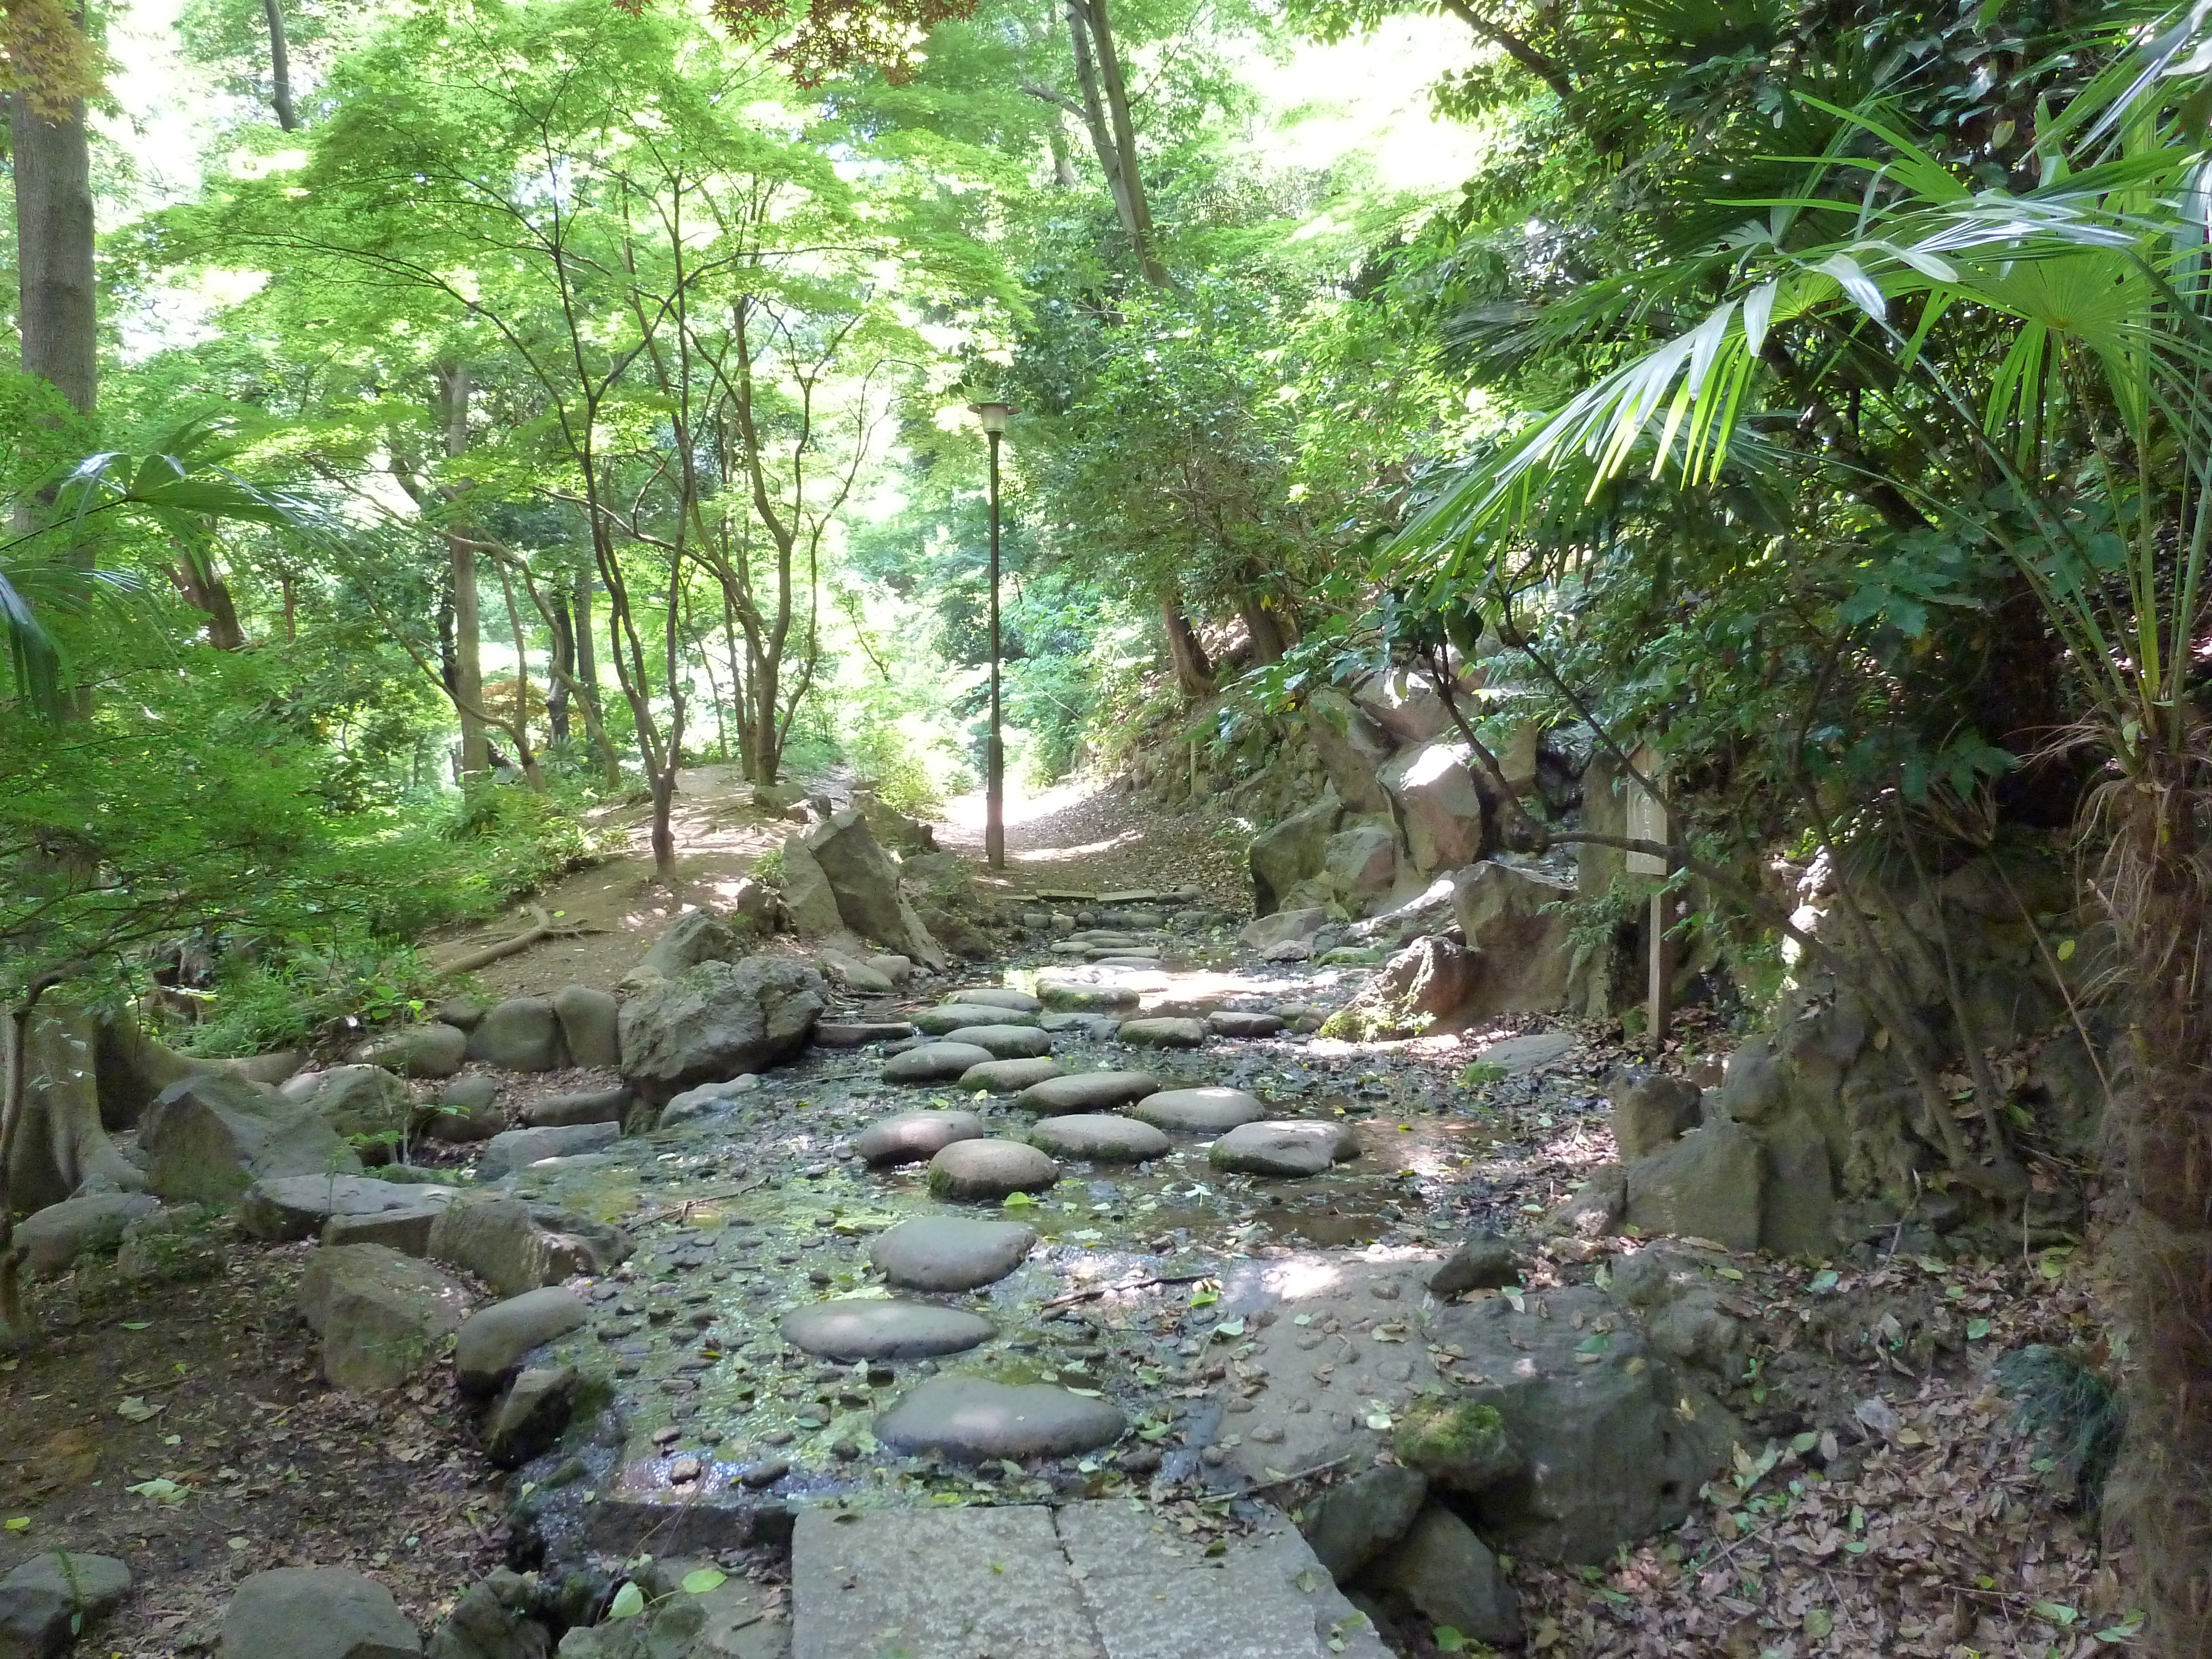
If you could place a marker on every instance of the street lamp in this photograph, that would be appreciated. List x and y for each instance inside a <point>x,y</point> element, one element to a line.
<point>993,419</point>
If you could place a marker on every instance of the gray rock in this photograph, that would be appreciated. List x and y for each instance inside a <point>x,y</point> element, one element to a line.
<point>807,898</point>
<point>694,937</point>
<point>1797,1201</point>
<point>971,1418</point>
<point>1594,1208</point>
<point>859,1034</point>
<point>435,1049</point>
<point>1651,1111</point>
<point>360,1102</point>
<point>1209,1111</point>
<point>316,1613</point>
<point>866,885</point>
<point>587,1020</point>
<point>990,1169</point>
<point>1707,1185</point>
<point>586,1106</point>
<point>176,1245</point>
<point>1353,1523</point>
<point>996,996</point>
<point>1352,747</point>
<point>716,1020</point>
<point>492,1342</point>
<point>209,1136</point>
<point>707,1099</point>
<point>1164,1033</point>
<point>1101,1137</point>
<point>383,1317</point>
<point>283,1208</point>
<point>1004,1041</point>
<point>1086,1091</point>
<point>1521,942</point>
<point>1684,1317</point>
<point>512,1150</point>
<point>934,1062</point>
<point>1009,1077</point>
<point>492,1621</point>
<point>1232,1023</point>
<point>91,1223</point>
<point>464,1014</point>
<point>1450,1575</point>
<point>912,1137</point>
<point>1291,851</point>
<point>897,968</point>
<point>1360,862</point>
<point>406,1230</point>
<point>530,1416</point>
<point>1285,1148</point>
<point>522,1033</point>
<point>1441,803</point>
<point>1460,1445</point>
<point>1481,1264</point>
<point>1265,932</point>
<point>869,1328</point>
<point>45,1602</point>
<point>947,1253</point>
<point>952,1016</point>
<point>515,1247</point>
<point>857,976</point>
<point>468,1111</point>
<point>1085,996</point>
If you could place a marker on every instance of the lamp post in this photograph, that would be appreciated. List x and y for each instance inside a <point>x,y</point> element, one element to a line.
<point>993,419</point>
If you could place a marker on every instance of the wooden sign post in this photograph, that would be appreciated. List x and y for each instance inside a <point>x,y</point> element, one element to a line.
<point>1647,820</point>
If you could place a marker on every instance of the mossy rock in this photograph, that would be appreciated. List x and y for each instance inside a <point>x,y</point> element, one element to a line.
<point>1458,1443</point>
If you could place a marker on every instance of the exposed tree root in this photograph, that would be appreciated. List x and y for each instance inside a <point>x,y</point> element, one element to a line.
<point>541,927</point>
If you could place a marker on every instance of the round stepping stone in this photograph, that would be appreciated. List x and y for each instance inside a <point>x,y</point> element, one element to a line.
<point>1101,1135</point>
<point>1198,1111</point>
<point>996,996</point>
<point>1009,1077</point>
<point>865,1327</point>
<point>1086,1091</point>
<point>934,1062</point>
<point>1085,996</point>
<point>951,1253</point>
<point>1230,1023</point>
<point>1164,1033</point>
<point>990,1169</point>
<point>1125,959</point>
<point>1006,1042</point>
<point>971,1419</point>
<point>912,1136</point>
<point>1287,1149</point>
<point>952,1016</point>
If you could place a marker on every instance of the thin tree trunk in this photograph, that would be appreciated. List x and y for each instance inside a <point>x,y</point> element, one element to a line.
<point>1113,135</point>
<point>280,67</point>
<point>562,666</point>
<point>1194,672</point>
<point>206,592</point>
<point>468,660</point>
<point>525,754</point>
<point>587,680</point>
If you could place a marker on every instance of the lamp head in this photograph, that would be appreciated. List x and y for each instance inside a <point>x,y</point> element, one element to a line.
<point>992,415</point>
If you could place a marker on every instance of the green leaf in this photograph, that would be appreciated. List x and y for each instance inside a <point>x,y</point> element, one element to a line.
<point>16,1523</point>
<point>1977,1329</point>
<point>2057,1611</point>
<point>628,1602</point>
<point>1826,1279</point>
<point>704,1581</point>
<point>1449,1639</point>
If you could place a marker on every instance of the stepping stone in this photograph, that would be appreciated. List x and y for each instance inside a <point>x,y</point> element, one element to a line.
<point>1005,1041</point>
<point>1009,1077</point>
<point>951,1253</point>
<point>990,1169</point>
<point>1230,1023</point>
<point>1164,1033</point>
<point>518,1149</point>
<point>1101,1136</point>
<point>934,1062</point>
<point>1289,1149</point>
<point>952,1016</point>
<point>1085,996</point>
<point>912,1136</point>
<point>996,996</point>
<point>1525,1054</point>
<point>860,1033</point>
<point>492,1341</point>
<point>971,1419</point>
<point>1099,1028</point>
<point>867,1328</point>
<point>590,1106</point>
<point>1086,1091</point>
<point>1199,1111</point>
<point>1126,959</point>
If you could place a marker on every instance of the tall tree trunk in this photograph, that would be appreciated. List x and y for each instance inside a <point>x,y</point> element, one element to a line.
<point>526,754</point>
<point>280,67</point>
<point>1113,134</point>
<point>587,680</point>
<point>562,667</point>
<point>1194,672</point>
<point>196,578</point>
<point>461,554</point>
<point>54,245</point>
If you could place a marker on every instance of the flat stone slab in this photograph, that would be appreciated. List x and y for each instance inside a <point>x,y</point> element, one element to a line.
<point>1005,1041</point>
<point>911,1137</point>
<point>869,1328</point>
<point>518,1149</point>
<point>1231,1022</point>
<point>1199,1111</point>
<point>492,1340</point>
<point>1102,1136</point>
<point>1167,1033</point>
<point>1009,1077</point>
<point>971,1418</point>
<point>281,1208</point>
<point>1288,1148</point>
<point>586,1106</point>
<point>989,1170</point>
<point>859,1033</point>
<point>1086,996</point>
<point>1087,1091</point>
<point>1525,1054</point>
<point>951,1253</point>
<point>996,996</point>
<point>952,1016</point>
<point>934,1062</point>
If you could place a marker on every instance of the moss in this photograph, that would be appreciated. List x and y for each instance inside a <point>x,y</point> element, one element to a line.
<point>1461,1441</point>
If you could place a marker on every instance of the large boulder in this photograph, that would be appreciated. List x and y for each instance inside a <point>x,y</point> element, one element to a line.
<point>492,1621</point>
<point>1451,1575</point>
<point>1431,979</point>
<point>365,1103</point>
<point>208,1137</point>
<point>522,1033</point>
<point>1441,803</point>
<point>1707,1185</point>
<point>587,1016</point>
<point>1352,1523</point>
<point>531,1415</point>
<point>893,828</point>
<point>1651,1111</point>
<point>1360,863</point>
<point>493,1342</point>
<point>316,1613</point>
<point>467,1110</point>
<point>48,1600</point>
<point>716,1020</point>
<point>91,1223</point>
<point>512,1150</point>
<point>866,884</point>
<point>383,1317</point>
<point>1524,954</point>
<point>281,1209</point>
<point>694,937</point>
<point>1403,703</point>
<point>1352,749</point>
<point>514,1246</point>
<point>1291,851</point>
<point>433,1049</point>
<point>808,899</point>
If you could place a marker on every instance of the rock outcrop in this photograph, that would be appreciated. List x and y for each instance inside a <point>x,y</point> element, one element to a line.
<point>714,1021</point>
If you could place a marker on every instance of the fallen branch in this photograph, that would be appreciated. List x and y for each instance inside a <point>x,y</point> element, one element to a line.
<point>1097,1290</point>
<point>1302,1475</point>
